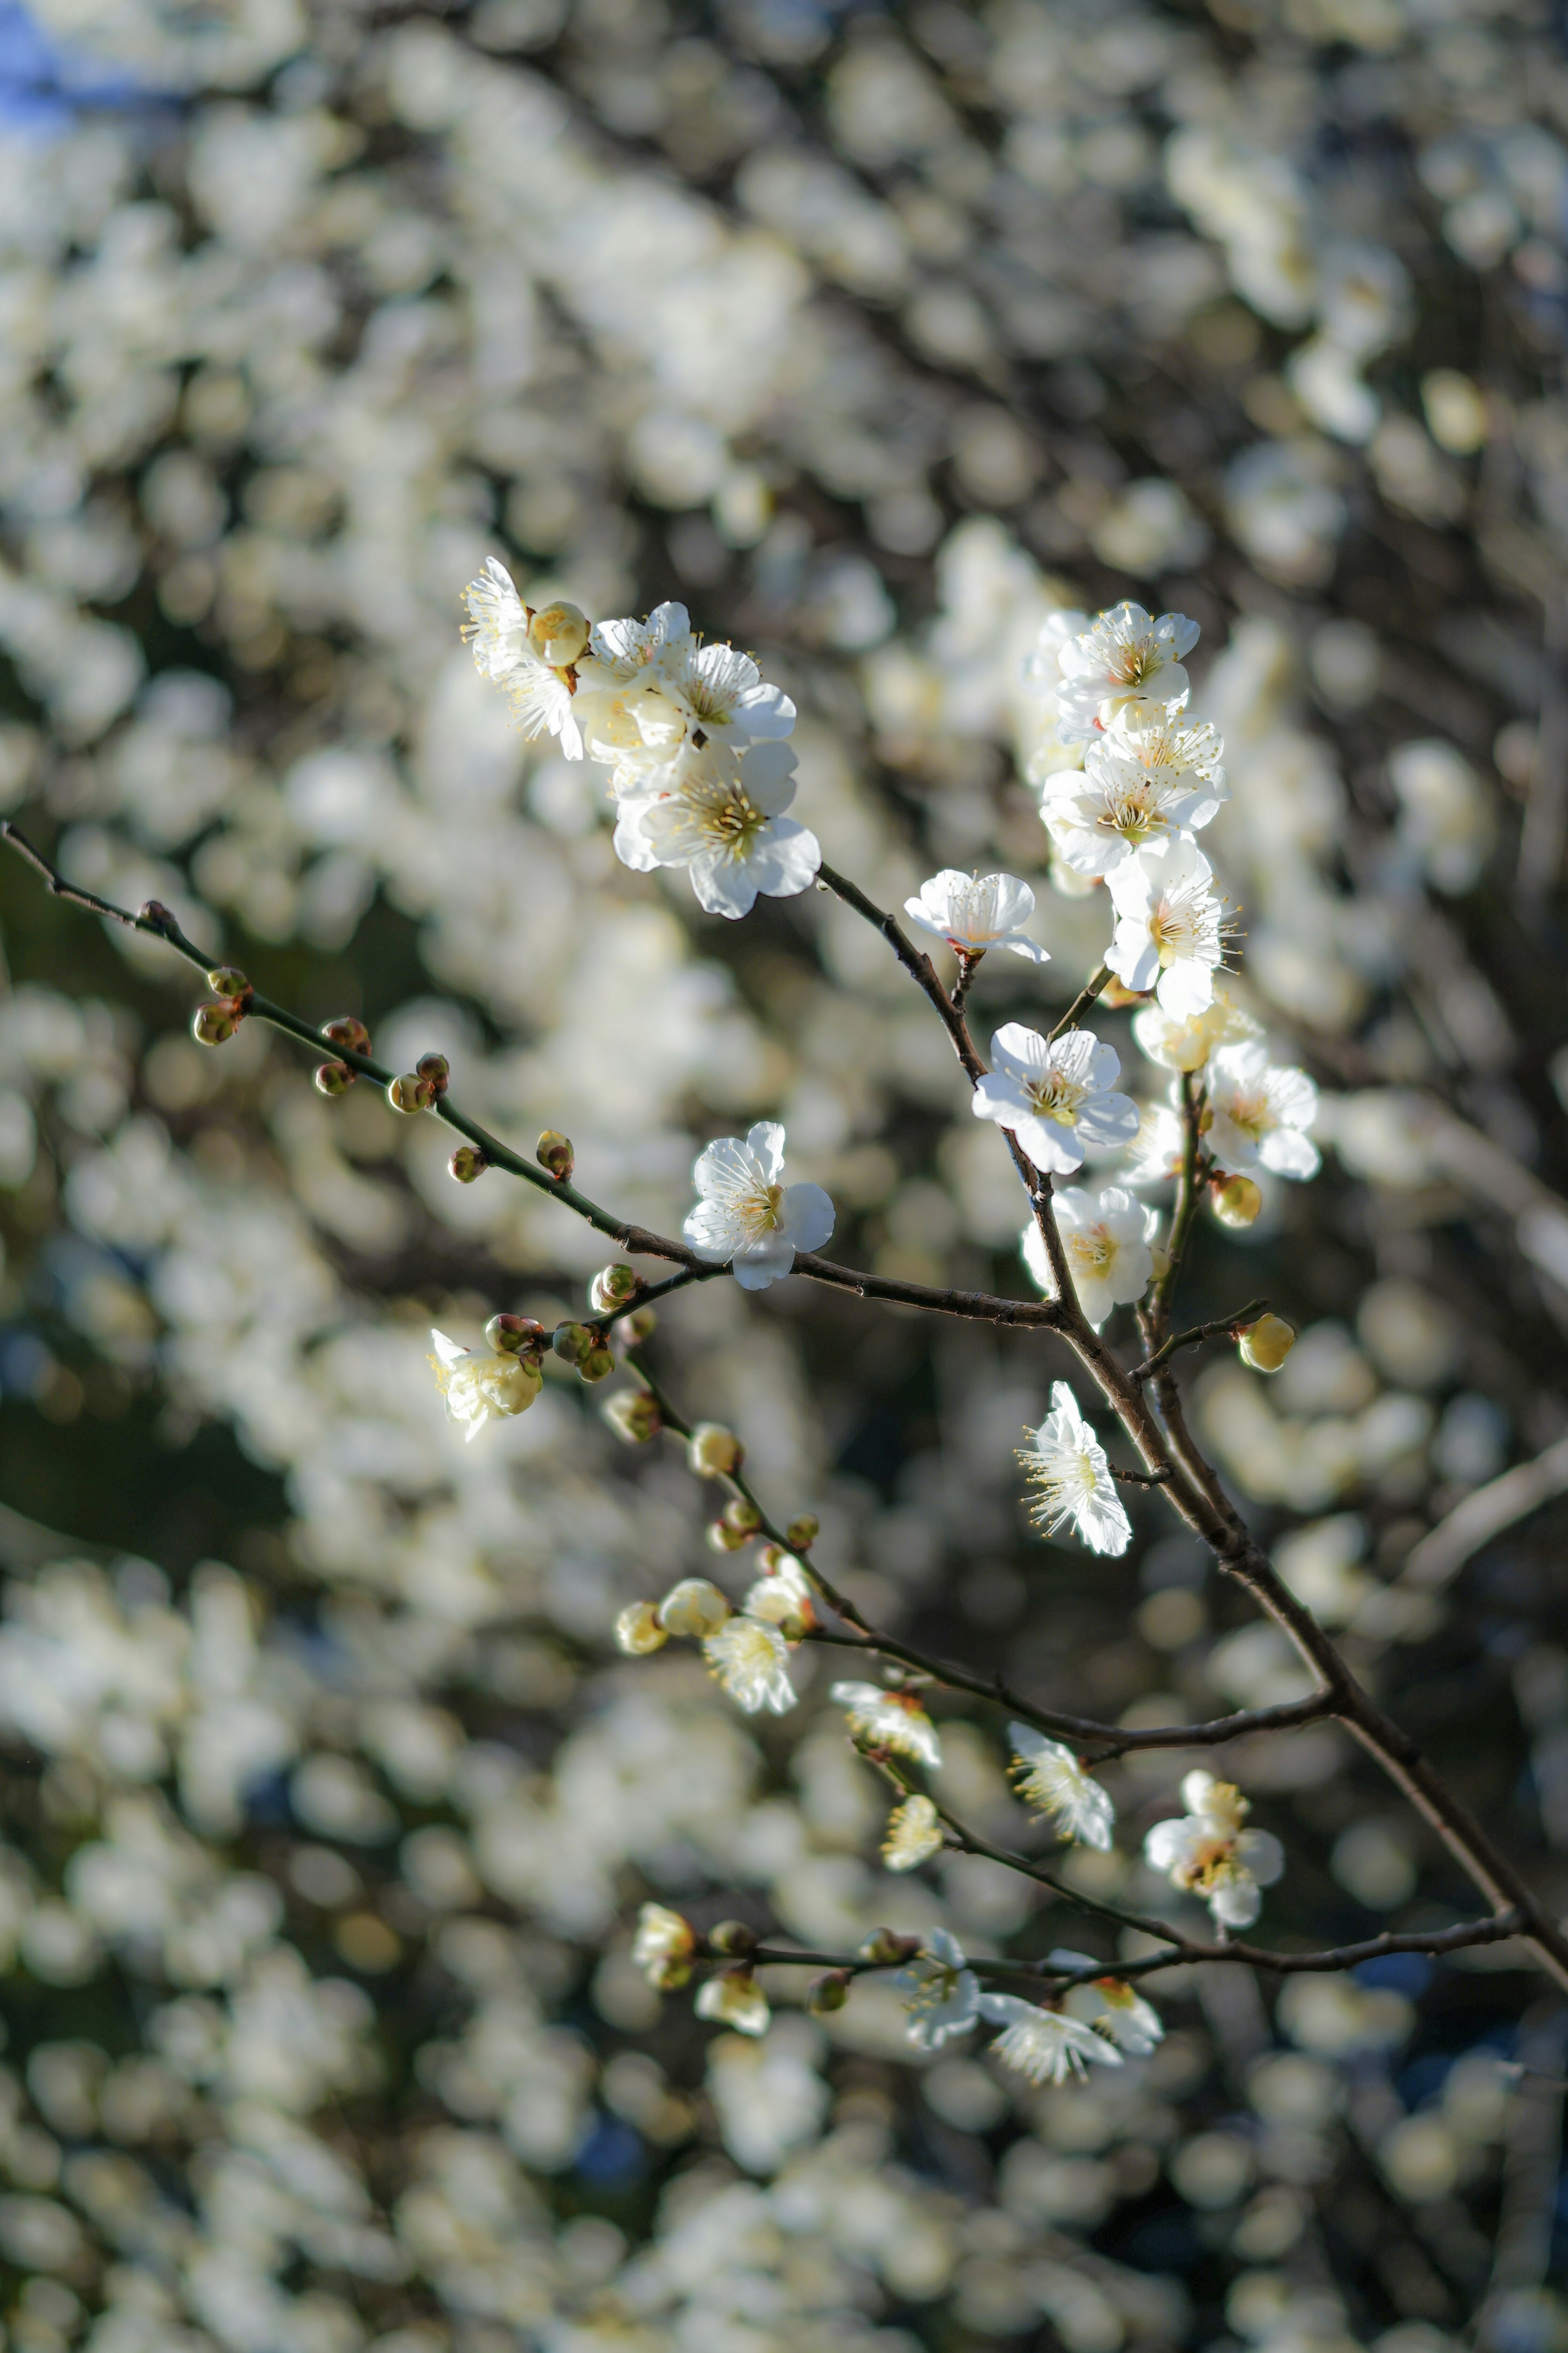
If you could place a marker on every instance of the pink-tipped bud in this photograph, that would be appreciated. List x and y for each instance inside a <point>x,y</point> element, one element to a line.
<point>409,1095</point>
<point>468,1163</point>
<point>333,1077</point>
<point>348,1030</point>
<point>510,1334</point>
<point>612,1286</point>
<point>554,1151</point>
<point>215,1025</point>
<point>435,1071</point>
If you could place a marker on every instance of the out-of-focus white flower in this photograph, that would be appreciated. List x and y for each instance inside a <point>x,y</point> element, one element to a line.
<point>1112,2009</point>
<point>1159,1147</point>
<point>638,1630</point>
<point>733,1998</point>
<point>1055,1094</point>
<point>694,1606</point>
<point>1208,1851</point>
<point>914,1834</point>
<point>479,1387</point>
<point>1052,1777</point>
<point>784,1598</point>
<point>720,813</point>
<point>889,1719</point>
<point>1169,926</point>
<point>1106,1237</point>
<point>974,913</point>
<point>1446,824</point>
<point>1186,1044</point>
<point>497,630</point>
<point>751,1658</point>
<point>1045,2046</point>
<point>1041,672</point>
<point>1151,774</point>
<point>1259,1113</point>
<point>748,1215</point>
<point>941,1993</point>
<point>663,1945</point>
<point>1067,1462</point>
<point>1123,656</point>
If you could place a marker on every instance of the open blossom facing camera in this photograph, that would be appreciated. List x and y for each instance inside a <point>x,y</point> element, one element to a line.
<point>914,1834</point>
<point>480,1386</point>
<point>1106,1237</point>
<point>1044,2045</point>
<point>974,913</point>
<point>941,1993</point>
<point>1259,1113</point>
<point>1049,1777</point>
<point>517,657</point>
<point>1124,657</point>
<point>1149,777</point>
<point>720,813</point>
<point>1211,1854</point>
<point>1067,1465</point>
<point>747,1216</point>
<point>751,1658</point>
<point>889,1719</point>
<point>1170,926</point>
<point>1055,1095</point>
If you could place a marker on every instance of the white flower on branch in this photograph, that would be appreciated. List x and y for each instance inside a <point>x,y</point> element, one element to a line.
<point>889,1719</point>
<point>1134,2024</point>
<point>1055,1095</point>
<point>694,1606</point>
<point>480,1386</point>
<point>1152,776</point>
<point>1186,1044</point>
<point>1208,1853</point>
<point>1044,2045</point>
<point>497,633</point>
<point>1050,1777</point>
<point>733,1998</point>
<point>1067,1463</point>
<point>720,694</point>
<point>974,913</point>
<point>784,1597</point>
<point>913,1834</point>
<point>621,651</point>
<point>663,1945</point>
<point>750,1660</point>
<point>1169,926</point>
<point>1160,1146</point>
<point>1123,656</point>
<point>1106,1237</point>
<point>941,1993</point>
<point>720,813</point>
<point>747,1216</point>
<point>1258,1115</point>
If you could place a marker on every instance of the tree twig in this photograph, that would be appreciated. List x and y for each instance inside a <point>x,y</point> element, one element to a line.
<point>1226,1327</point>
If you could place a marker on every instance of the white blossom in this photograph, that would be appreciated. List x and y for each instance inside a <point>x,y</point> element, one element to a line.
<point>1152,776</point>
<point>747,1216</point>
<point>1050,1777</point>
<point>1160,1146</point>
<point>914,1834</point>
<point>889,1719</point>
<point>974,913</point>
<point>1045,2046</point>
<point>1186,1044</point>
<point>784,1597</point>
<point>1106,1237</point>
<point>694,1606</point>
<point>720,694</point>
<point>720,813</point>
<point>750,1660</point>
<point>1123,656</point>
<point>480,1386</point>
<point>1169,926</point>
<point>620,653</point>
<point>1067,1462</point>
<point>497,630</point>
<point>733,1998</point>
<point>1113,2009</point>
<point>1055,1094</point>
<point>663,1945</point>
<point>941,1993</point>
<point>1209,1853</point>
<point>1259,1113</point>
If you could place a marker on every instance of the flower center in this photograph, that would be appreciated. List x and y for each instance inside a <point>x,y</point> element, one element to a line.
<point>1251,1114</point>
<point>1093,1253</point>
<point>1211,1862</point>
<point>1055,1097</point>
<point>733,823</point>
<point>1131,665</point>
<point>1132,812</point>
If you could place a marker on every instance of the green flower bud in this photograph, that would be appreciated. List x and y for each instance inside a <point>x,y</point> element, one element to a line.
<point>572,1342</point>
<point>723,1538</point>
<point>634,1416</point>
<point>226,982</point>
<point>213,1025</point>
<point>410,1095</point>
<point>350,1031</point>
<point>713,1451</point>
<point>554,1151</point>
<point>829,1993</point>
<point>885,1946</point>
<point>468,1163</point>
<point>333,1077</point>
<point>741,1516</point>
<point>1234,1200</point>
<point>507,1335</point>
<point>1267,1344</point>
<point>597,1365</point>
<point>434,1070</point>
<point>641,1325</point>
<point>803,1532</point>
<point>612,1286</point>
<point>731,1937</point>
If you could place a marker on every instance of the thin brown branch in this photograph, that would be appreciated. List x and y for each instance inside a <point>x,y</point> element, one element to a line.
<point>1081,1002</point>
<point>1226,1327</point>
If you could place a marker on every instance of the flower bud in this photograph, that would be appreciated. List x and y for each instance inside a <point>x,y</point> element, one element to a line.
<point>348,1030</point>
<point>597,1365</point>
<point>639,1631</point>
<point>1159,1262</point>
<point>510,1334</point>
<point>721,1538</point>
<point>152,911</point>
<point>641,1325</point>
<point>435,1072</point>
<point>612,1286</point>
<point>215,1025</point>
<point>554,1151</point>
<point>1267,1344</point>
<point>468,1163</point>
<point>694,1606</point>
<point>633,1415</point>
<point>713,1451</point>
<point>885,1946</point>
<point>410,1094</point>
<point>803,1532</point>
<point>558,634</point>
<point>574,1342</point>
<point>1234,1200</point>
<point>333,1077</point>
<point>829,1993</point>
<point>226,982</point>
<point>742,1516</point>
<point>663,1945</point>
<point>731,1937</point>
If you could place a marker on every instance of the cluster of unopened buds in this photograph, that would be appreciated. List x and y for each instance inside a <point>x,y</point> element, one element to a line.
<point>335,1078</point>
<point>215,1022</point>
